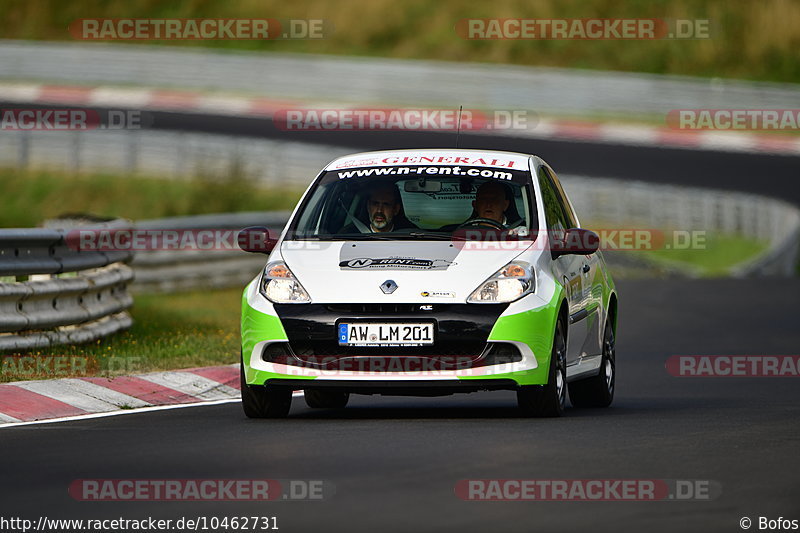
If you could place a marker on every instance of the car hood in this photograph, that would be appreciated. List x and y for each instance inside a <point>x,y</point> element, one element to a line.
<point>353,271</point>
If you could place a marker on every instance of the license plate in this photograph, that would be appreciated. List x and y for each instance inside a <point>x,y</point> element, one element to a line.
<point>366,334</point>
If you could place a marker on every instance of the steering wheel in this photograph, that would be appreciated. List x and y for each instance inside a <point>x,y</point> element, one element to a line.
<point>483,222</point>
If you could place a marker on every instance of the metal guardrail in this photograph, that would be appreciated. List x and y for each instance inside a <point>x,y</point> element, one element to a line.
<point>368,81</point>
<point>53,294</point>
<point>170,271</point>
<point>167,154</point>
<point>613,203</point>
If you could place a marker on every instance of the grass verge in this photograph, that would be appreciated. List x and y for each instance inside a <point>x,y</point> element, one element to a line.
<point>30,197</point>
<point>715,260</point>
<point>170,331</point>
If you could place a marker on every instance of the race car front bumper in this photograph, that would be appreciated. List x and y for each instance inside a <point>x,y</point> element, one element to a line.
<point>477,347</point>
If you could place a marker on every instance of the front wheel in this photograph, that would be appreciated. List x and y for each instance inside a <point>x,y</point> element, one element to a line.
<point>260,401</point>
<point>549,400</point>
<point>598,391</point>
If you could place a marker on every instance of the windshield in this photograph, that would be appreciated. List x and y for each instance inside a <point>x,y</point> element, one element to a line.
<point>415,202</point>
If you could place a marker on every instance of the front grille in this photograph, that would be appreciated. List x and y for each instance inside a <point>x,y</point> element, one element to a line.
<point>403,359</point>
<point>327,348</point>
<point>461,331</point>
<point>383,309</point>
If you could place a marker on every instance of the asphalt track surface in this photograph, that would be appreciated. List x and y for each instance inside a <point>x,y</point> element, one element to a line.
<point>394,461</point>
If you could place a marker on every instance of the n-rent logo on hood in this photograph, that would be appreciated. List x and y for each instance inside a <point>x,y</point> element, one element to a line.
<point>396,263</point>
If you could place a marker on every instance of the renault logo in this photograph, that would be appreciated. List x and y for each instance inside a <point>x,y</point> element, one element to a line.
<point>388,286</point>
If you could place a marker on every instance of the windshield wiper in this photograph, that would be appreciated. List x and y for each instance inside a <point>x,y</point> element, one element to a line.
<point>366,237</point>
<point>357,237</point>
<point>343,237</point>
<point>438,235</point>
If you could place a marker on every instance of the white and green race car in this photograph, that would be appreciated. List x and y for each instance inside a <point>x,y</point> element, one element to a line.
<point>429,272</point>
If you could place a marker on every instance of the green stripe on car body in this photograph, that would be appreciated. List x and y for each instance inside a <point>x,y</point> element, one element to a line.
<point>534,327</point>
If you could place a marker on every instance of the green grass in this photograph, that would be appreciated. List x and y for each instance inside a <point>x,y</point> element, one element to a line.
<point>170,331</point>
<point>31,197</point>
<point>751,40</point>
<point>720,254</point>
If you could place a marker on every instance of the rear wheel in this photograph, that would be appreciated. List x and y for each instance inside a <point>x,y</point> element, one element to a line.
<point>325,399</point>
<point>598,391</point>
<point>260,401</point>
<point>549,400</point>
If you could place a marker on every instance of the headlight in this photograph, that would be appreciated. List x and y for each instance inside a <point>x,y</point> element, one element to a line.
<point>279,285</point>
<point>510,283</point>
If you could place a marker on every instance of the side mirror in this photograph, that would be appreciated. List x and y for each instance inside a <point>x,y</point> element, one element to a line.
<point>574,241</point>
<point>257,239</point>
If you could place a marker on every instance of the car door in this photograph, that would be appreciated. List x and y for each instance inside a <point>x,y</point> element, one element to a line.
<point>567,268</point>
<point>591,284</point>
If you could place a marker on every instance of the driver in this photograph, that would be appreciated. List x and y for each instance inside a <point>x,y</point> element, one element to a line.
<point>383,208</point>
<point>491,202</point>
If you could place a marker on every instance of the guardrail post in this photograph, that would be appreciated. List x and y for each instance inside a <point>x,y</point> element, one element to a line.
<point>23,154</point>
<point>180,156</point>
<point>76,151</point>
<point>132,152</point>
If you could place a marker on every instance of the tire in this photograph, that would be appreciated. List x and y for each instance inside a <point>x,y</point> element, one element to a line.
<point>598,391</point>
<point>549,400</point>
<point>324,399</point>
<point>260,401</point>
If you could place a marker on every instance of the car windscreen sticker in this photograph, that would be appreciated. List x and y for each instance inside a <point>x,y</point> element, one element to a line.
<point>422,173</point>
<point>366,257</point>
<point>506,160</point>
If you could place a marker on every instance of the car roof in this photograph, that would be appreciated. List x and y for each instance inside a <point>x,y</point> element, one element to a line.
<point>433,156</point>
